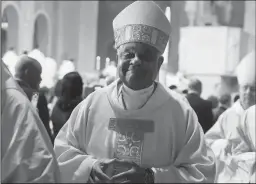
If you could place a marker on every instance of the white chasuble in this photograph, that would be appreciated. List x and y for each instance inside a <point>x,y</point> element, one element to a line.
<point>163,135</point>
<point>27,154</point>
<point>233,157</point>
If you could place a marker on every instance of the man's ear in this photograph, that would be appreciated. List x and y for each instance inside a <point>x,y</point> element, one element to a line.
<point>160,62</point>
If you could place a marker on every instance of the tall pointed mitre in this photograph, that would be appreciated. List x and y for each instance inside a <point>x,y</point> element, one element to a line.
<point>142,21</point>
<point>245,71</point>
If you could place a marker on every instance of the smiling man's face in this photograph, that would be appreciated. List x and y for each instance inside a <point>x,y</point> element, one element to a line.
<point>139,64</point>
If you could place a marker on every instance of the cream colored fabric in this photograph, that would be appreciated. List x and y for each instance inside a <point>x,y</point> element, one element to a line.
<point>142,21</point>
<point>233,159</point>
<point>134,99</point>
<point>246,70</point>
<point>176,149</point>
<point>246,152</point>
<point>26,150</point>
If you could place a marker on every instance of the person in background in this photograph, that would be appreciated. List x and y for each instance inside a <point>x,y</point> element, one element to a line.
<point>241,151</point>
<point>214,100</point>
<point>114,134</point>
<point>28,76</point>
<point>27,154</point>
<point>56,93</point>
<point>203,108</point>
<point>43,111</point>
<point>246,130</point>
<point>70,97</point>
<point>224,104</point>
<point>224,130</point>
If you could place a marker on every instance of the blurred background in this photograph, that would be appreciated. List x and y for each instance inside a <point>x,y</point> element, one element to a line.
<point>208,38</point>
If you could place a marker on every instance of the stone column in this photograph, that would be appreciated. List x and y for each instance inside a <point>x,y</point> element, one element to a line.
<point>59,36</point>
<point>26,26</point>
<point>176,7</point>
<point>88,36</point>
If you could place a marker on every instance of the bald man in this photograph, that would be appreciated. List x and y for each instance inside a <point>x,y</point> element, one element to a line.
<point>28,76</point>
<point>26,151</point>
<point>223,137</point>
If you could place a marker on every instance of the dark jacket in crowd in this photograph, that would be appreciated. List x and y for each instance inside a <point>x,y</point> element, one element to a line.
<point>203,109</point>
<point>43,111</point>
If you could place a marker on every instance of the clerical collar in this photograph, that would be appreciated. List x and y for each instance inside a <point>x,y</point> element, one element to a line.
<point>125,89</point>
<point>135,99</point>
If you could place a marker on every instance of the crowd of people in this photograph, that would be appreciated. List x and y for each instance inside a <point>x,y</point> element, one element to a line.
<point>58,128</point>
<point>55,93</point>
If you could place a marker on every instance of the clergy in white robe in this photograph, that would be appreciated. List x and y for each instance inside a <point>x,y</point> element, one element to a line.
<point>139,130</point>
<point>246,128</point>
<point>223,137</point>
<point>247,148</point>
<point>26,150</point>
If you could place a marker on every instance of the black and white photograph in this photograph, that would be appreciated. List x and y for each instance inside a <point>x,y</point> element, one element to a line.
<point>116,91</point>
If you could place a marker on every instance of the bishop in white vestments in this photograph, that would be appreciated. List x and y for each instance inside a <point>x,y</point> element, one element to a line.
<point>247,148</point>
<point>26,150</point>
<point>135,130</point>
<point>223,137</point>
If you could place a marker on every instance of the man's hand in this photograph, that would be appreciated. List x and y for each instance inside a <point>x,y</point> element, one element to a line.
<point>135,174</point>
<point>98,173</point>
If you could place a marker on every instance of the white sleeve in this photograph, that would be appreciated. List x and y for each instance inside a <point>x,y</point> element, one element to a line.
<point>75,164</point>
<point>215,137</point>
<point>26,150</point>
<point>195,161</point>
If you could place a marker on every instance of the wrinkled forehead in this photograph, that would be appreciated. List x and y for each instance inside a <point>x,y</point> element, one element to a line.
<point>137,47</point>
